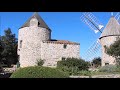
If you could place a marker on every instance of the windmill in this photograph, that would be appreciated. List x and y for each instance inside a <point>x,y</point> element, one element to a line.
<point>95,25</point>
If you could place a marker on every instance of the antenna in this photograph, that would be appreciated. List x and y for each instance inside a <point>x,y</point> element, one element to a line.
<point>93,23</point>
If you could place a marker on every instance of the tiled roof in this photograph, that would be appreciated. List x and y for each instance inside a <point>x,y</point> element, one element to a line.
<point>40,20</point>
<point>112,28</point>
<point>61,42</point>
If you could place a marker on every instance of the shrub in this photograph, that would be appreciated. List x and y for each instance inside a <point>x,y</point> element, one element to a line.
<point>39,72</point>
<point>108,68</point>
<point>117,68</point>
<point>96,61</point>
<point>73,62</point>
<point>40,62</point>
<point>72,65</point>
<point>69,70</point>
<point>84,73</point>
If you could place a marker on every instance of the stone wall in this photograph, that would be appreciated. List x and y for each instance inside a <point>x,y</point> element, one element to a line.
<point>31,44</point>
<point>105,57</point>
<point>52,52</point>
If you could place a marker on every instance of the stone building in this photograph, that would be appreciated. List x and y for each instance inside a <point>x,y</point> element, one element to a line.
<point>108,36</point>
<point>34,42</point>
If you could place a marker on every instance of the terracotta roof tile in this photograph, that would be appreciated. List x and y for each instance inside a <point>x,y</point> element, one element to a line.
<point>61,42</point>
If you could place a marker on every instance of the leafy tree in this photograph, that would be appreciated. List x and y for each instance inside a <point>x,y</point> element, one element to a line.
<point>1,49</point>
<point>96,61</point>
<point>9,53</point>
<point>114,50</point>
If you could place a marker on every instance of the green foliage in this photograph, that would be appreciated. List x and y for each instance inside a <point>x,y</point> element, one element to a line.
<point>97,61</point>
<point>69,70</point>
<point>1,49</point>
<point>40,62</point>
<point>39,72</point>
<point>8,43</point>
<point>84,73</point>
<point>72,65</point>
<point>73,62</point>
<point>108,68</point>
<point>114,50</point>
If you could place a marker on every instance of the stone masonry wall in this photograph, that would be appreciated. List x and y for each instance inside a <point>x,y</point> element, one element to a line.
<point>31,44</point>
<point>105,57</point>
<point>52,52</point>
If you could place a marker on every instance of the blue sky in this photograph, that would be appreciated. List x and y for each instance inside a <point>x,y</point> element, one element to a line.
<point>64,25</point>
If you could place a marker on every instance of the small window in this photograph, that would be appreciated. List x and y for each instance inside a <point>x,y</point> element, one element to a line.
<point>38,24</point>
<point>106,63</point>
<point>20,43</point>
<point>63,58</point>
<point>64,46</point>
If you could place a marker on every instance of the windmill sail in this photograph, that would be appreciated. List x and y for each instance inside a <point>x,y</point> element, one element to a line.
<point>93,23</point>
<point>117,17</point>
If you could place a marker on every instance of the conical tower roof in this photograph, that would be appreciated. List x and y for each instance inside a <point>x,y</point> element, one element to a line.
<point>40,20</point>
<point>112,28</point>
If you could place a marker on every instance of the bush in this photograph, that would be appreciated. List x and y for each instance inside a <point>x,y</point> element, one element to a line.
<point>84,73</point>
<point>40,62</point>
<point>72,65</point>
<point>69,70</point>
<point>73,62</point>
<point>96,62</point>
<point>39,72</point>
<point>108,68</point>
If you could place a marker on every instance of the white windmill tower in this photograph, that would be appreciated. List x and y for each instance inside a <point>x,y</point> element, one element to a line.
<point>94,24</point>
<point>108,36</point>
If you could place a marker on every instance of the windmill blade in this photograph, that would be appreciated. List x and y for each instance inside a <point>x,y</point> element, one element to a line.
<point>93,23</point>
<point>117,17</point>
<point>89,24</point>
<point>94,19</point>
<point>100,26</point>
<point>92,50</point>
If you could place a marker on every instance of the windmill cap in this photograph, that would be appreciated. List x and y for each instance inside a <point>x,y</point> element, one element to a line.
<point>40,20</point>
<point>112,28</point>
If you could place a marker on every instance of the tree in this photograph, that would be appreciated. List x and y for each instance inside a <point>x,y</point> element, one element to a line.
<point>96,61</point>
<point>1,49</point>
<point>114,50</point>
<point>9,53</point>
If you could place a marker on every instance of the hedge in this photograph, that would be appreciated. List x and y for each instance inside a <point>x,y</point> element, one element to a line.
<point>39,72</point>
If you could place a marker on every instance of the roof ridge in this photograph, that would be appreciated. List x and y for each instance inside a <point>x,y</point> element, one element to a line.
<point>61,42</point>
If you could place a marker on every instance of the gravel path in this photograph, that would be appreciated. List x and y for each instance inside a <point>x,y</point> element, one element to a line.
<point>98,76</point>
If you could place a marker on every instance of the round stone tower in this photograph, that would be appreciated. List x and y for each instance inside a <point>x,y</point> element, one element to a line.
<point>108,36</point>
<point>31,34</point>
